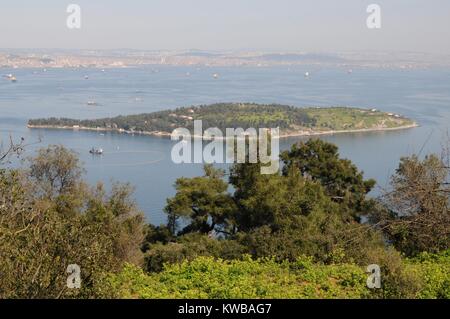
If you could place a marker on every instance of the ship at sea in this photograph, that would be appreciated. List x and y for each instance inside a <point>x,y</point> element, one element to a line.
<point>10,77</point>
<point>96,151</point>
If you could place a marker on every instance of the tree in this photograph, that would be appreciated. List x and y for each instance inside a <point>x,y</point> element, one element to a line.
<point>120,218</point>
<point>39,237</point>
<point>417,214</point>
<point>202,201</point>
<point>245,179</point>
<point>282,216</point>
<point>56,170</point>
<point>13,148</point>
<point>289,216</point>
<point>343,182</point>
<point>38,243</point>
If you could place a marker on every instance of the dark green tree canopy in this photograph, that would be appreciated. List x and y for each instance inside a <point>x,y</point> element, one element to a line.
<point>201,201</point>
<point>343,182</point>
<point>282,215</point>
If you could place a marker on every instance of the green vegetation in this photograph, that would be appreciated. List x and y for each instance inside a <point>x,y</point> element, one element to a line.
<point>344,118</point>
<point>290,120</point>
<point>296,234</point>
<point>50,219</point>
<point>416,217</point>
<point>314,208</point>
<point>208,278</point>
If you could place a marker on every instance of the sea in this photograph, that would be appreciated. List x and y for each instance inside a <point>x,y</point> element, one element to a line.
<point>145,161</point>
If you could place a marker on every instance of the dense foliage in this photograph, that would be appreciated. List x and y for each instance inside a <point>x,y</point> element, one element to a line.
<point>205,277</point>
<point>282,216</point>
<point>50,219</point>
<point>240,115</point>
<point>416,214</point>
<point>340,177</point>
<point>236,234</point>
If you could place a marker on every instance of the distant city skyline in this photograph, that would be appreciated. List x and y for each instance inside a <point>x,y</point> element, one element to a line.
<point>282,25</point>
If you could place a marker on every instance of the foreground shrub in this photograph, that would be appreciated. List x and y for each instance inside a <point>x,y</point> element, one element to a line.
<point>434,273</point>
<point>206,277</point>
<point>50,219</point>
<point>427,276</point>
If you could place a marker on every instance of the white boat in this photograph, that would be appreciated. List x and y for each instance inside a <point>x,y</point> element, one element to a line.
<point>216,75</point>
<point>91,103</point>
<point>306,74</point>
<point>10,77</point>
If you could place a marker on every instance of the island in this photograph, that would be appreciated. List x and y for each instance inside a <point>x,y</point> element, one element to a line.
<point>292,121</point>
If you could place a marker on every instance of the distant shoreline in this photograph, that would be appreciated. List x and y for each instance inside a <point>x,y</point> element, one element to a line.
<point>167,134</point>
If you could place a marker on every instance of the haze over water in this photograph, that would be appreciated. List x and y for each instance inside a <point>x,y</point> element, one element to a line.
<point>144,161</point>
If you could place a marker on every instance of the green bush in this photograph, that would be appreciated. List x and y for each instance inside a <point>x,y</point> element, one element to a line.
<point>434,273</point>
<point>427,276</point>
<point>206,277</point>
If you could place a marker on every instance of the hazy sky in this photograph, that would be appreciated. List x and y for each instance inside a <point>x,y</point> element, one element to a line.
<point>315,25</point>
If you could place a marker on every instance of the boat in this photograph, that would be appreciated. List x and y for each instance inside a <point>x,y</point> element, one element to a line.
<point>91,103</point>
<point>96,151</point>
<point>216,75</point>
<point>10,77</point>
<point>306,74</point>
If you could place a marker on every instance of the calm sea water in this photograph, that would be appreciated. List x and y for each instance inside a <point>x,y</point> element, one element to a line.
<point>144,161</point>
